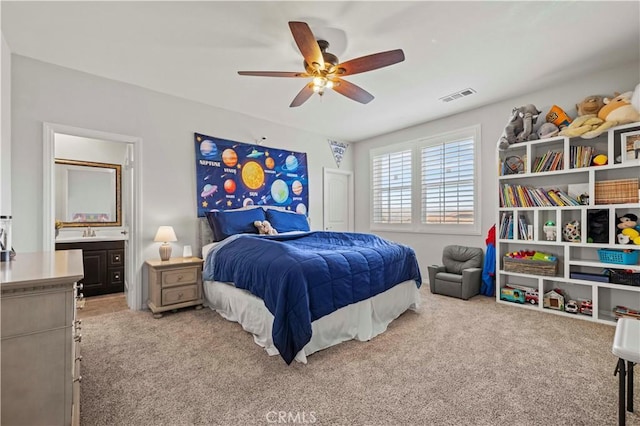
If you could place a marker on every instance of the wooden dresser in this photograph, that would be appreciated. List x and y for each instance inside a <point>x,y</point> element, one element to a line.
<point>40,350</point>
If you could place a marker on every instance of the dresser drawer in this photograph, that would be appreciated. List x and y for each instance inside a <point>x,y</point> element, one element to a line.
<point>180,276</point>
<point>181,294</point>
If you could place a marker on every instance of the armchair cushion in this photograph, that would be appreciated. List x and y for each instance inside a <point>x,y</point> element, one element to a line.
<point>458,258</point>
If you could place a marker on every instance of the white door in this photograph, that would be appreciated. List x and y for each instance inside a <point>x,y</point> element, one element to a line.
<point>338,201</point>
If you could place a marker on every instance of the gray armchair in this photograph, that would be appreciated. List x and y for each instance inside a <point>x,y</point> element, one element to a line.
<point>460,274</point>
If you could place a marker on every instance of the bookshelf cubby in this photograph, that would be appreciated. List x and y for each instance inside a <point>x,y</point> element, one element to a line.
<point>555,185</point>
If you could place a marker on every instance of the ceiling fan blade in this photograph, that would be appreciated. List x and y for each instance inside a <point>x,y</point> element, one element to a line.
<point>370,62</point>
<point>302,96</point>
<point>274,73</point>
<point>352,91</point>
<point>307,44</point>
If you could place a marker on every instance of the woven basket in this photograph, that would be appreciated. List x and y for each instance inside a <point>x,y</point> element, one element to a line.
<point>620,191</point>
<point>527,266</point>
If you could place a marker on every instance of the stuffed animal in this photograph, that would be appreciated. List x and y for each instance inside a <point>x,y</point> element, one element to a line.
<point>587,119</point>
<point>598,226</point>
<point>557,116</point>
<point>264,227</point>
<point>635,98</point>
<point>628,229</point>
<point>520,126</point>
<point>571,231</point>
<point>590,105</point>
<point>547,130</point>
<point>615,112</point>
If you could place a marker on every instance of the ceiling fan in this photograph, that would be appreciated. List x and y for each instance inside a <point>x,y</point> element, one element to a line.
<point>326,70</point>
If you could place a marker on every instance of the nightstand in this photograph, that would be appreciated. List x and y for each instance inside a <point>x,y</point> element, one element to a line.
<point>174,283</point>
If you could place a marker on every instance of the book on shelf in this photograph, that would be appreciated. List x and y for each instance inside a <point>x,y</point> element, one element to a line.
<point>580,156</point>
<point>551,160</point>
<point>506,226</point>
<point>522,196</point>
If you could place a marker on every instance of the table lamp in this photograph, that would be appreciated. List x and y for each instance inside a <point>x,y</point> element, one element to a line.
<point>165,235</point>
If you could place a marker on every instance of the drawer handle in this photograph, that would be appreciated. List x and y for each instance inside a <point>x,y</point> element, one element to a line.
<point>116,276</point>
<point>79,379</point>
<point>78,338</point>
<point>79,359</point>
<point>180,277</point>
<point>179,295</point>
<point>117,258</point>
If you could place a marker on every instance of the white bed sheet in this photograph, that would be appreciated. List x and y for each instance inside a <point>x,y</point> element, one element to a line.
<point>362,321</point>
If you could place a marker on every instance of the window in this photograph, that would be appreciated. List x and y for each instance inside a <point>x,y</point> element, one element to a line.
<point>392,187</point>
<point>429,185</point>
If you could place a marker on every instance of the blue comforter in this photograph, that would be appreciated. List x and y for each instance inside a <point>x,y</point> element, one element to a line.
<point>306,276</point>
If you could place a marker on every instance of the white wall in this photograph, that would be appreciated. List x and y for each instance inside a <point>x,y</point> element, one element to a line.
<point>44,92</point>
<point>493,119</point>
<point>5,128</point>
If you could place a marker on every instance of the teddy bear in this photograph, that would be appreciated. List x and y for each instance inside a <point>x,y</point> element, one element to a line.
<point>628,229</point>
<point>520,126</point>
<point>264,227</point>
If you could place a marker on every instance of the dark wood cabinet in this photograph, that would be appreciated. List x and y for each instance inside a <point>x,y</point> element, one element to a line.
<point>103,266</point>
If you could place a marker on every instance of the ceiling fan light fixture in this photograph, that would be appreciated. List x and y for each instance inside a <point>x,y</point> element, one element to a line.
<point>321,83</point>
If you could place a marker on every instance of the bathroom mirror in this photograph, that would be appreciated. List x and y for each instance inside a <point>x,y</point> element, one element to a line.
<point>87,193</point>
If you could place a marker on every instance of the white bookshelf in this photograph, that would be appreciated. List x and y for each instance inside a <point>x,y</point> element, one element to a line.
<point>578,257</point>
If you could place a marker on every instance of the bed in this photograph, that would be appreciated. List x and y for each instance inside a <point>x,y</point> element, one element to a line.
<point>302,291</point>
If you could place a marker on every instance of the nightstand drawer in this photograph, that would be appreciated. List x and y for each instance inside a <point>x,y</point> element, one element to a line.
<point>179,277</point>
<point>179,294</point>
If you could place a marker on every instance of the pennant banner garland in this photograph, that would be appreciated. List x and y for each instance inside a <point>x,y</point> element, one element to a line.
<point>338,149</point>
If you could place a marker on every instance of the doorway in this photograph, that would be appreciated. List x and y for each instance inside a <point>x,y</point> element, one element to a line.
<point>131,197</point>
<point>338,203</point>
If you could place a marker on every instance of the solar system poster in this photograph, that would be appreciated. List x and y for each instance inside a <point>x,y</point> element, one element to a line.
<point>230,175</point>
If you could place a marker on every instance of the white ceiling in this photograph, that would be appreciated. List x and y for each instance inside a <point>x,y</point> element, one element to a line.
<point>194,50</point>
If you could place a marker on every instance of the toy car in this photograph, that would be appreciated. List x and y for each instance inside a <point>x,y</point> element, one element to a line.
<point>586,307</point>
<point>512,295</point>
<point>571,307</point>
<point>531,297</point>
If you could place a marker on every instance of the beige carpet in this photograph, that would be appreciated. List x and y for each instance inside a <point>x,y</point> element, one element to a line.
<point>454,363</point>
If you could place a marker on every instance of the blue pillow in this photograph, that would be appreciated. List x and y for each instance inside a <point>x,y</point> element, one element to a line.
<point>231,222</point>
<point>286,221</point>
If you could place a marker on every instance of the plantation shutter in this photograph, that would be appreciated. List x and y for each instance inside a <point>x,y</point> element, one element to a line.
<point>448,183</point>
<point>391,175</point>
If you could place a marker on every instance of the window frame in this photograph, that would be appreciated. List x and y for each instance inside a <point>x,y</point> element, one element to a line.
<point>416,147</point>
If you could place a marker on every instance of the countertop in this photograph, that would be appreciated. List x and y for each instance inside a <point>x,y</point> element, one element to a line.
<point>44,268</point>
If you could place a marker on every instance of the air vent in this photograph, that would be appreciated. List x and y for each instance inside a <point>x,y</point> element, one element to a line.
<point>457,95</point>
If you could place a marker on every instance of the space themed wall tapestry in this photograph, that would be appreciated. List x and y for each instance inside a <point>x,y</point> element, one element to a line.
<point>230,175</point>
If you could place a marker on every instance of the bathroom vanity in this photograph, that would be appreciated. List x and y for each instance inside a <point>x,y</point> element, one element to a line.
<point>104,263</point>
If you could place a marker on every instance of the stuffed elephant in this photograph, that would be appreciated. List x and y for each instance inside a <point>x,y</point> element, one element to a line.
<point>520,126</point>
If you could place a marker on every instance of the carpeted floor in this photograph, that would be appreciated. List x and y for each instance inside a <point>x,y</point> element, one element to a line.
<point>453,363</point>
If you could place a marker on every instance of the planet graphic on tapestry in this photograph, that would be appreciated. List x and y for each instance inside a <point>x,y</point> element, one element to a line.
<point>301,208</point>
<point>229,157</point>
<point>252,175</point>
<point>296,187</point>
<point>247,202</point>
<point>255,154</point>
<point>290,164</point>
<point>270,163</point>
<point>279,191</point>
<point>208,190</point>
<point>208,149</point>
<point>230,186</point>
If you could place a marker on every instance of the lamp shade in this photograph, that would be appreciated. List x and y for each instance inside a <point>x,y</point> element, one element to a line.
<point>165,234</point>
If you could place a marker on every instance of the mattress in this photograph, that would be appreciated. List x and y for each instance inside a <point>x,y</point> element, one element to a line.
<point>361,321</point>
